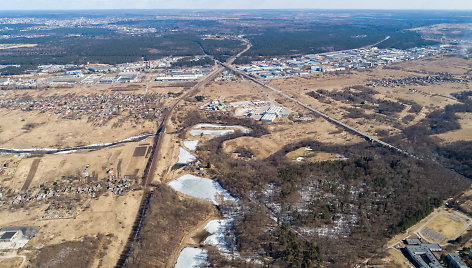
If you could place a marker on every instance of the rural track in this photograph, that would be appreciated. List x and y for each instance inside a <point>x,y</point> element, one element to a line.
<point>149,171</point>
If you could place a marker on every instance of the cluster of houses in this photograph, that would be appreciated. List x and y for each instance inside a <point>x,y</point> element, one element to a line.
<point>138,106</point>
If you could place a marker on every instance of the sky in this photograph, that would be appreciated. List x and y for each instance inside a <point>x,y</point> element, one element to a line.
<point>233,4</point>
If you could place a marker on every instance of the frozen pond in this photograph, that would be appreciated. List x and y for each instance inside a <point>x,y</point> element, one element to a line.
<point>202,129</point>
<point>185,157</point>
<point>191,145</point>
<point>211,132</point>
<point>243,129</point>
<point>192,258</point>
<point>201,188</point>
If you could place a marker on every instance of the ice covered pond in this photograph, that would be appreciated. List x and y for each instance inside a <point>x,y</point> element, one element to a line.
<point>191,145</point>
<point>192,258</point>
<point>185,156</point>
<point>202,129</point>
<point>200,188</point>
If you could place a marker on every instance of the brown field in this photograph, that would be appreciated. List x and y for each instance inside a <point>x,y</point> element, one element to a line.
<point>448,224</point>
<point>394,259</point>
<point>462,134</point>
<point>13,262</point>
<point>18,46</point>
<point>311,156</point>
<point>431,97</point>
<point>109,215</point>
<point>52,167</point>
<point>291,132</point>
<point>177,219</point>
<point>53,131</point>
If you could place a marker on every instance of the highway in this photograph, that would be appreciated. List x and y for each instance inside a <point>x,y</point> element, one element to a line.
<point>325,116</point>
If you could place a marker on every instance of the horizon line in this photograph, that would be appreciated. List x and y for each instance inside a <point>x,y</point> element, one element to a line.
<point>238,9</point>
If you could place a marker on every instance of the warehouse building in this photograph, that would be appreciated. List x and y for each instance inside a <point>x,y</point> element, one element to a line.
<point>454,259</point>
<point>421,254</point>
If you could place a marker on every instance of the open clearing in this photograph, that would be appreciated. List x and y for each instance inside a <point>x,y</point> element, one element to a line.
<point>462,134</point>
<point>107,215</point>
<point>307,154</point>
<point>39,130</point>
<point>446,222</point>
<point>53,167</point>
<point>449,225</point>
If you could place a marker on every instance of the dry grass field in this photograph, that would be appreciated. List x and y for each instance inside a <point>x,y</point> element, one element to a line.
<point>109,215</point>
<point>52,131</point>
<point>308,154</point>
<point>449,225</point>
<point>13,262</point>
<point>394,259</point>
<point>462,134</point>
<point>53,167</point>
<point>446,222</point>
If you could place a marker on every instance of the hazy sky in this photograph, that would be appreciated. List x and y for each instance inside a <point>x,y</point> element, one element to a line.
<point>234,4</point>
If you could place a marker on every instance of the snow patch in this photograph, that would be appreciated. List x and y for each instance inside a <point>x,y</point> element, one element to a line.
<point>185,157</point>
<point>192,258</point>
<point>217,229</point>
<point>191,145</point>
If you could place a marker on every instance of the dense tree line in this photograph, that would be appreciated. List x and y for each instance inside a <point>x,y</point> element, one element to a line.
<point>376,193</point>
<point>359,96</point>
<point>189,62</point>
<point>330,37</point>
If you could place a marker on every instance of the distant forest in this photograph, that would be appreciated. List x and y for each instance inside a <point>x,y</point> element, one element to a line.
<point>272,33</point>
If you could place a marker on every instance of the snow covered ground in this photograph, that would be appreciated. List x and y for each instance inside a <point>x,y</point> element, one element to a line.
<point>185,157</point>
<point>191,145</point>
<point>217,229</point>
<point>192,258</point>
<point>200,188</point>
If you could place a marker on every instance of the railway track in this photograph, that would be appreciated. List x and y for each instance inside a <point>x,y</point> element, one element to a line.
<point>325,116</point>
<point>149,171</point>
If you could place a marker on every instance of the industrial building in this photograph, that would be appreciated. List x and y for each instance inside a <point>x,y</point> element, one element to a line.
<point>270,113</point>
<point>178,77</point>
<point>454,259</point>
<point>421,254</point>
<point>16,237</point>
<point>10,235</point>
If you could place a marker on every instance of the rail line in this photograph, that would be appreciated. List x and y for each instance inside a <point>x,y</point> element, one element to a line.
<point>151,167</point>
<point>325,116</point>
